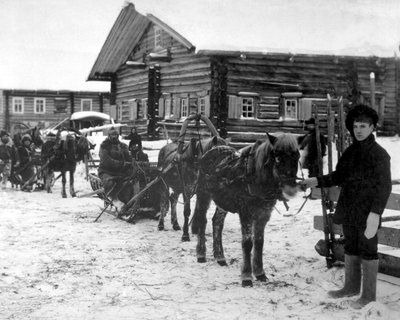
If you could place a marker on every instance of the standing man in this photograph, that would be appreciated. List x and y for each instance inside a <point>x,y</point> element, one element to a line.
<point>27,170</point>
<point>363,173</point>
<point>8,157</point>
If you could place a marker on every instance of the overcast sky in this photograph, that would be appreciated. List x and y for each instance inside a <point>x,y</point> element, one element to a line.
<point>53,44</point>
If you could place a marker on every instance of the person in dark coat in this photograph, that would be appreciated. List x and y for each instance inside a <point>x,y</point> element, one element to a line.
<point>135,143</point>
<point>115,165</point>
<point>8,157</point>
<point>27,168</point>
<point>363,173</point>
<point>309,145</point>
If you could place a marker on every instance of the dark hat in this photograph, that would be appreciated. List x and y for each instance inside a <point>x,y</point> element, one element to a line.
<point>112,130</point>
<point>310,121</point>
<point>361,113</point>
<point>4,133</point>
<point>26,137</point>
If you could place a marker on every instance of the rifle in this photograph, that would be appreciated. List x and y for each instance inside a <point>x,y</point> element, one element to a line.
<point>328,228</point>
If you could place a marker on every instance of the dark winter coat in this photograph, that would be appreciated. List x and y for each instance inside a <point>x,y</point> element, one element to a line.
<point>363,173</point>
<point>115,159</point>
<point>24,155</point>
<point>135,139</point>
<point>8,152</point>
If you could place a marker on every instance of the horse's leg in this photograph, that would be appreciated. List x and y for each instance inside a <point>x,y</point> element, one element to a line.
<point>261,217</point>
<point>202,203</point>
<point>186,215</point>
<point>218,225</point>
<point>63,182</point>
<point>71,183</point>
<point>174,201</point>
<point>164,205</point>
<point>247,245</point>
<point>49,177</point>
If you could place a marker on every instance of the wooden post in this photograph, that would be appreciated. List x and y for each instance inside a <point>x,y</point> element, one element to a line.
<point>342,127</point>
<point>372,92</point>
<point>331,131</point>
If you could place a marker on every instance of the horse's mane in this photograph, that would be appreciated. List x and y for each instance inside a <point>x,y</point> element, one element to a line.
<point>285,143</point>
<point>209,143</point>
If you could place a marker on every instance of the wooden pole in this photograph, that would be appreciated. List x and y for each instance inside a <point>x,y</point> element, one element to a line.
<point>331,124</point>
<point>328,230</point>
<point>372,92</point>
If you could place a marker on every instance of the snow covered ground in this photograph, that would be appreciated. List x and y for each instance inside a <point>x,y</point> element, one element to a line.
<point>56,263</point>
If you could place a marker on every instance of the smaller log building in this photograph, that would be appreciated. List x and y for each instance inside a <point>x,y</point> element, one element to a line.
<point>30,108</point>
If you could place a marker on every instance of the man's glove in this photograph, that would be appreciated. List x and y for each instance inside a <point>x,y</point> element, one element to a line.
<point>372,225</point>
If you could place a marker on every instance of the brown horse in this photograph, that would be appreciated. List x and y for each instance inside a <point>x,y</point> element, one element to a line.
<point>182,178</point>
<point>62,156</point>
<point>249,183</point>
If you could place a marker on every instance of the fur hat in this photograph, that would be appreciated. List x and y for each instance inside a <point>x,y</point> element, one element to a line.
<point>113,130</point>
<point>26,137</point>
<point>4,133</point>
<point>309,121</point>
<point>361,113</point>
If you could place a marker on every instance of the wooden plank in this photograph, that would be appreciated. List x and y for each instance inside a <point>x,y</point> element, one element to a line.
<point>386,235</point>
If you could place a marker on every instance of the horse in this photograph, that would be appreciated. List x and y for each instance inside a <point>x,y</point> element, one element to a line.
<point>182,177</point>
<point>248,183</point>
<point>62,155</point>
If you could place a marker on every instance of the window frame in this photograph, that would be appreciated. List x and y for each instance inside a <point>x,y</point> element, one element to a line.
<point>296,108</point>
<point>202,106</point>
<point>14,102</point>
<point>85,100</point>
<point>184,107</point>
<point>242,105</point>
<point>35,105</point>
<point>158,32</point>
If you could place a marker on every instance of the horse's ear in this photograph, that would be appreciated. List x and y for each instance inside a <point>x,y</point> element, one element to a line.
<point>271,138</point>
<point>215,140</point>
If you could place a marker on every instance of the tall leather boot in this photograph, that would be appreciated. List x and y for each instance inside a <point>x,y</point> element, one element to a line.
<point>352,278</point>
<point>370,273</point>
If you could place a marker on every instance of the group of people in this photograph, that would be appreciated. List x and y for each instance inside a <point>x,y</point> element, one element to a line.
<point>16,162</point>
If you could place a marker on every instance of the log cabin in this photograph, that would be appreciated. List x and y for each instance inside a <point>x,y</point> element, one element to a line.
<point>158,78</point>
<point>21,109</point>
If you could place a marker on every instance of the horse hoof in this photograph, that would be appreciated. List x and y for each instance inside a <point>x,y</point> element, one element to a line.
<point>73,195</point>
<point>176,227</point>
<point>160,227</point>
<point>201,260</point>
<point>185,238</point>
<point>64,195</point>
<point>222,263</point>
<point>247,283</point>
<point>262,278</point>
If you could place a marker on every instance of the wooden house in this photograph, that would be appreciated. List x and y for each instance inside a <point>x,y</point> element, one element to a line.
<point>157,76</point>
<point>20,109</point>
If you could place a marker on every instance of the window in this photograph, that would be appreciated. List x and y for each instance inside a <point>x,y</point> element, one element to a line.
<point>202,106</point>
<point>290,108</point>
<point>247,107</point>
<point>184,108</point>
<point>158,38</point>
<point>18,105</point>
<point>60,105</point>
<point>86,105</point>
<point>39,105</point>
<point>193,106</point>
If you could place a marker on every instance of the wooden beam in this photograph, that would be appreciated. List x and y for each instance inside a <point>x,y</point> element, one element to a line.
<point>386,235</point>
